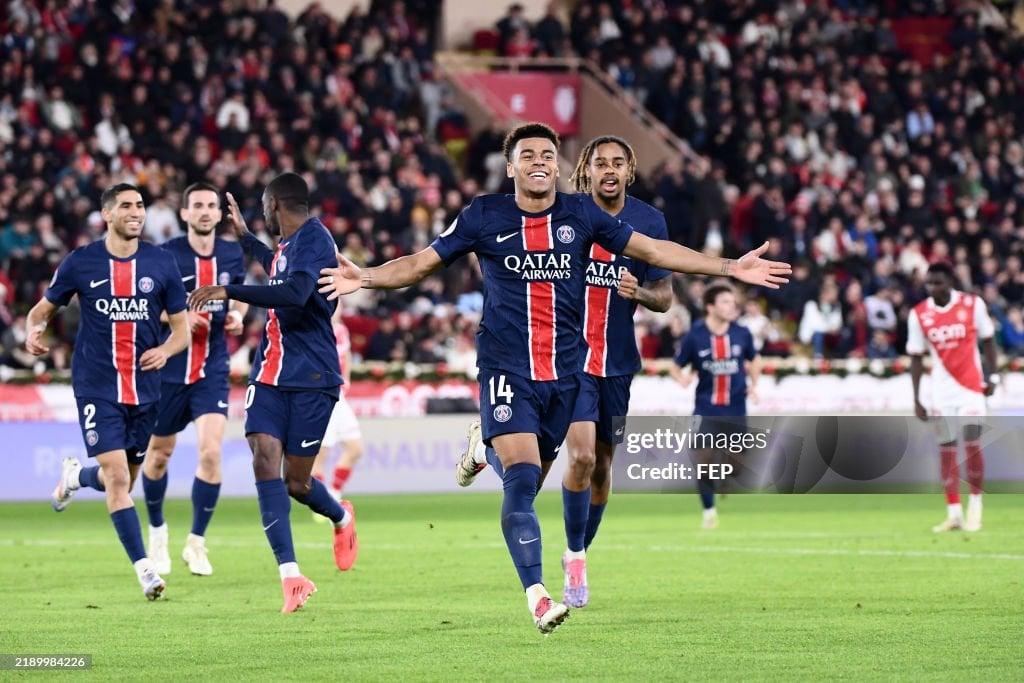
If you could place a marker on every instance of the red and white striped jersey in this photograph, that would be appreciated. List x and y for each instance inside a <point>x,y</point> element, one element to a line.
<point>121,302</point>
<point>950,334</point>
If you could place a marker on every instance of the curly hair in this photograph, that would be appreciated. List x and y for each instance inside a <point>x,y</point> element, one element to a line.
<point>580,180</point>
<point>527,130</point>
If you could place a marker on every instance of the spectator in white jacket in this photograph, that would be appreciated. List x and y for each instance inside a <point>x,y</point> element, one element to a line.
<point>822,321</point>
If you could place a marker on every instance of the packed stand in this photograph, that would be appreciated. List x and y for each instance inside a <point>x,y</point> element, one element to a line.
<point>811,128</point>
<point>164,94</point>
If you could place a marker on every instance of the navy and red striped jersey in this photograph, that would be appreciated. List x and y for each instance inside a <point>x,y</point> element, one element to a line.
<point>608,335</point>
<point>207,353</point>
<point>121,301</point>
<point>721,371</point>
<point>533,270</point>
<point>298,347</point>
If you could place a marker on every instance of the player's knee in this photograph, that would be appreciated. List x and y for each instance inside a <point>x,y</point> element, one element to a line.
<point>297,488</point>
<point>116,477</point>
<point>582,460</point>
<point>156,459</point>
<point>266,463</point>
<point>209,460</point>
<point>521,481</point>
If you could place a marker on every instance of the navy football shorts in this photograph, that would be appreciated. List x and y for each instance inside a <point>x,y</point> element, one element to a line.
<point>182,403</point>
<point>111,426</point>
<point>725,425</point>
<point>601,400</point>
<point>510,404</point>
<point>296,418</point>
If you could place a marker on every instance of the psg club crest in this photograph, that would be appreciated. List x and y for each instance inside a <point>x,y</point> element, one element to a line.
<point>146,285</point>
<point>224,279</point>
<point>502,413</point>
<point>282,263</point>
<point>566,234</point>
<point>91,437</point>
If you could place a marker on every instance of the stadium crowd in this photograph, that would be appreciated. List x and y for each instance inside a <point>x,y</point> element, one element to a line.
<point>810,128</point>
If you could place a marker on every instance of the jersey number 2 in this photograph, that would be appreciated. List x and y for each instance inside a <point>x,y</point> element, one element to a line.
<point>89,412</point>
<point>503,391</point>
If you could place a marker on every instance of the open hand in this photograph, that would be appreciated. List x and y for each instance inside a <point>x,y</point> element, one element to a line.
<point>344,279</point>
<point>235,219</point>
<point>754,270</point>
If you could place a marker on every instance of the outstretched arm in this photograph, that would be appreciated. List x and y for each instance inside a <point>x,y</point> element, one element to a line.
<point>750,268</point>
<point>294,291</point>
<point>395,274</point>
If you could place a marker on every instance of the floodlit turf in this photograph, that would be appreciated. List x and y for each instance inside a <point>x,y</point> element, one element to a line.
<point>787,587</point>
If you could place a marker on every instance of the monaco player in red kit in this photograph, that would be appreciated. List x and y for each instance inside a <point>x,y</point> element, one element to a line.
<point>949,324</point>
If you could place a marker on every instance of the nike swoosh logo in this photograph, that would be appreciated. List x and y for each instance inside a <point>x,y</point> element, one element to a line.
<point>211,510</point>
<point>307,444</point>
<point>706,352</point>
<point>97,283</point>
<point>502,238</point>
<point>271,524</point>
<point>522,542</point>
<point>222,404</point>
<point>190,277</point>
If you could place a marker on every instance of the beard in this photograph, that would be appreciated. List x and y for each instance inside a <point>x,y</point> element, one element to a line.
<point>273,225</point>
<point>124,233</point>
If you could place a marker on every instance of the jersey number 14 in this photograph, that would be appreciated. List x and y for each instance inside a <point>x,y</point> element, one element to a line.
<point>502,391</point>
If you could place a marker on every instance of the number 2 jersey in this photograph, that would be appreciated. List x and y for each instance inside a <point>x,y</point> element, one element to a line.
<point>534,266</point>
<point>207,352</point>
<point>121,301</point>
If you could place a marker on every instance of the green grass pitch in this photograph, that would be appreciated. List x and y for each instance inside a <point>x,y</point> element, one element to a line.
<point>805,587</point>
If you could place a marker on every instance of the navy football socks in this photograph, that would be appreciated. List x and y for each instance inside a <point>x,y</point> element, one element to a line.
<point>575,506</point>
<point>519,522</point>
<point>593,522</point>
<point>204,500</point>
<point>89,477</point>
<point>275,507</point>
<point>320,501</point>
<point>126,522</point>
<point>706,489</point>
<point>153,490</point>
<point>494,461</point>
